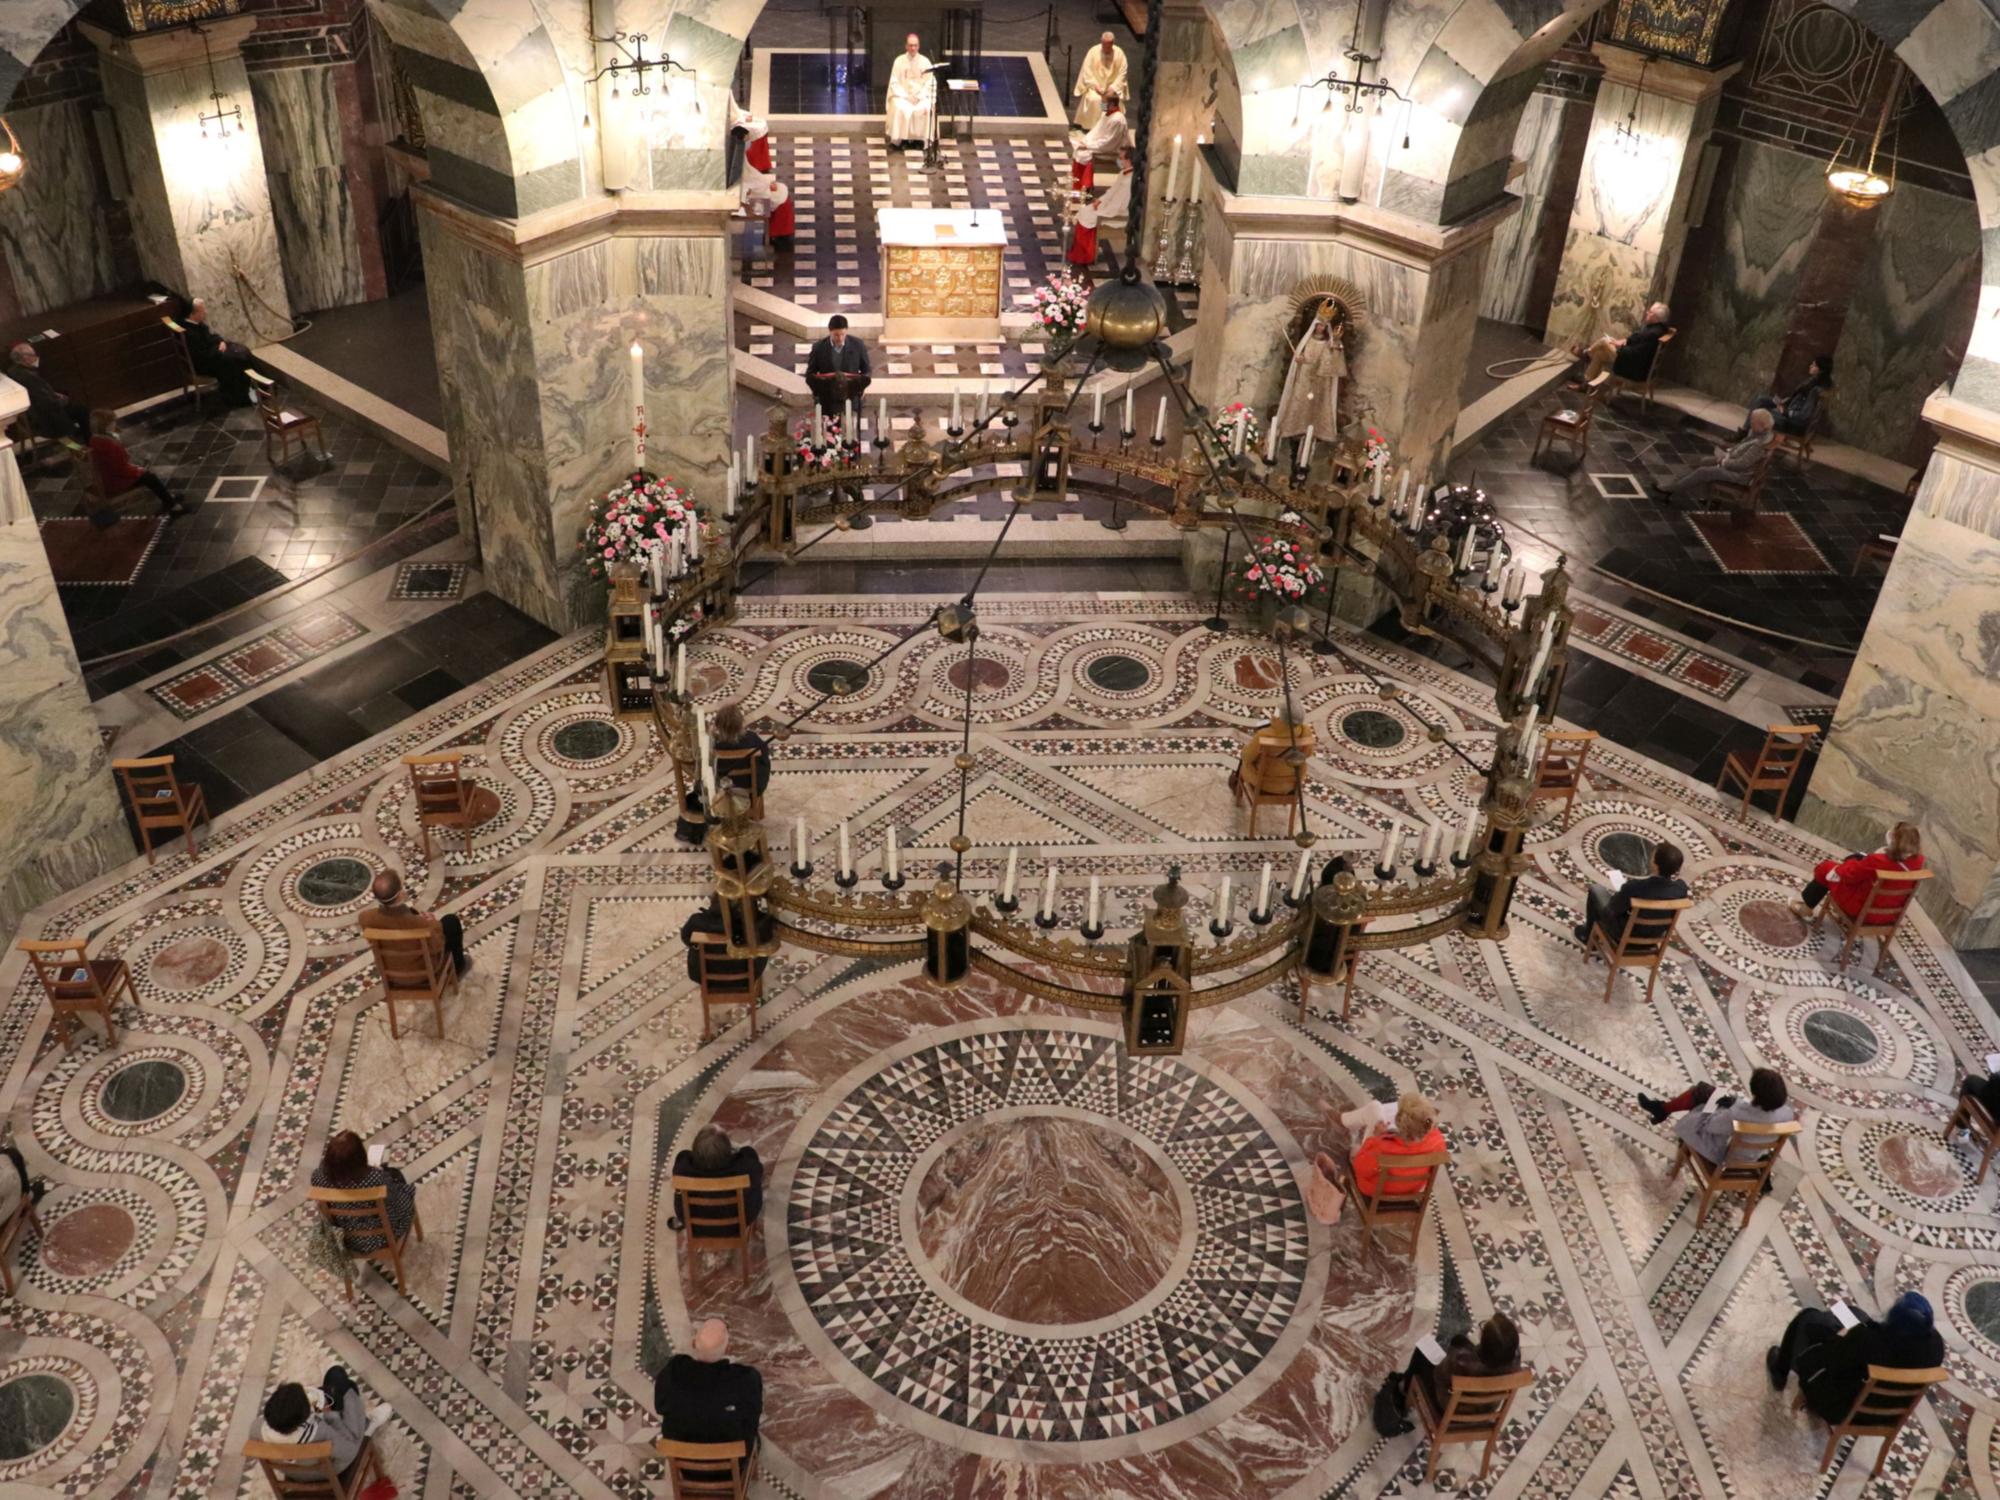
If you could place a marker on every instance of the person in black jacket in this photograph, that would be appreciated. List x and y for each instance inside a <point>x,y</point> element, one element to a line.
<point>715,1155</point>
<point>1795,413</point>
<point>1498,1352</point>
<point>1985,1090</point>
<point>1603,907</point>
<point>1630,358</point>
<point>1832,1366</point>
<point>751,773</point>
<point>723,971</point>
<point>704,1398</point>
<point>211,354</point>
<point>837,370</point>
<point>51,413</point>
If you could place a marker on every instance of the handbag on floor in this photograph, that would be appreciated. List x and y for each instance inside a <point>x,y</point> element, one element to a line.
<point>1391,1417</point>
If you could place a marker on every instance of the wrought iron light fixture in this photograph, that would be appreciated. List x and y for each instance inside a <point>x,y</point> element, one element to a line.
<point>224,111</point>
<point>636,66</point>
<point>13,165</point>
<point>1863,185</point>
<point>1627,137</point>
<point>1358,54</point>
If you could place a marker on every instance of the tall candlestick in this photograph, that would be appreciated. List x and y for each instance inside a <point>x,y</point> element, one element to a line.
<point>638,384</point>
<point>1128,428</point>
<point>1160,422</point>
<point>957,412</point>
<point>1264,889</point>
<point>799,843</point>
<point>1097,408</point>
<point>1049,893</point>
<point>1174,171</point>
<point>1222,904</point>
<point>846,852</point>
<point>1389,838</point>
<point>1007,882</point>
<point>1299,873</point>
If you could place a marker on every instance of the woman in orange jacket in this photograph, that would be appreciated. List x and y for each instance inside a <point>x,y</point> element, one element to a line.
<point>1415,1134</point>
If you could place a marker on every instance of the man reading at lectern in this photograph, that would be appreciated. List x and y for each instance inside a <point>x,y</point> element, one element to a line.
<point>837,370</point>
<point>912,91</point>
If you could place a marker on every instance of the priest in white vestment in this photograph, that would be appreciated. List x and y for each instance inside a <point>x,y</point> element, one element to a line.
<point>1103,73</point>
<point>912,93</point>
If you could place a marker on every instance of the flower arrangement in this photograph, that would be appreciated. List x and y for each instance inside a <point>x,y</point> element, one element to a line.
<point>1058,306</point>
<point>632,520</point>
<point>1232,416</point>
<point>1377,452</point>
<point>1282,568</point>
<point>822,445</point>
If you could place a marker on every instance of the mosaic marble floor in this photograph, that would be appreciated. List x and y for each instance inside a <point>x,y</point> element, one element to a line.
<point>1181,1329</point>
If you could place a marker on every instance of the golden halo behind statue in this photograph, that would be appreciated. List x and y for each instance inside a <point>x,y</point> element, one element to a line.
<point>1317,296</point>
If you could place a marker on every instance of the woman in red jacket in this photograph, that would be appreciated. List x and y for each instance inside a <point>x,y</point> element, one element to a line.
<point>117,472</point>
<point>1414,1134</point>
<point>1851,879</point>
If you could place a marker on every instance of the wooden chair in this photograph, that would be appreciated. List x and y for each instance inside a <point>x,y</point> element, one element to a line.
<point>444,797</point>
<point>304,1471</point>
<point>745,989</point>
<point>1880,549</point>
<point>283,426</point>
<point>1275,780</point>
<point>160,801</point>
<point>77,985</point>
<point>1745,1167</point>
<point>1474,1412</point>
<point>1621,385</point>
<point>740,766</point>
<point>1642,945</point>
<point>1559,773</point>
<point>365,1211</point>
<point>1881,1407</point>
<point>707,1471</point>
<point>1972,1116</point>
<point>721,1207</point>
<point>1800,444</point>
<point>1307,978</point>
<point>24,1216</point>
<point>1882,910</point>
<point>1569,425</point>
<point>194,384</point>
<point>1777,764</point>
<point>1743,498</point>
<point>1414,1178</point>
<point>415,968</point>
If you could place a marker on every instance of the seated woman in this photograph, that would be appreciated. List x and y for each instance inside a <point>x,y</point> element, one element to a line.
<point>115,470</point>
<point>1833,1366</point>
<point>1261,768</point>
<point>715,1155</point>
<point>1708,1135</point>
<point>1851,879</point>
<point>752,773</point>
<point>1415,1133</point>
<point>1498,1352</point>
<point>345,1165</point>
<point>1795,413</point>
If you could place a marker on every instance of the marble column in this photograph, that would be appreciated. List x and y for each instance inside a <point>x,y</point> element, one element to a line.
<point>201,205</point>
<point>533,320</point>
<point>1629,223</point>
<point>60,821</point>
<point>1917,732</point>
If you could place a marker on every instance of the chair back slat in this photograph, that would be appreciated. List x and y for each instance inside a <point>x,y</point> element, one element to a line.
<point>355,1211</point>
<point>1889,898</point>
<point>411,959</point>
<point>719,1205</point>
<point>1785,745</point>
<point>1478,1405</point>
<point>705,1471</point>
<point>297,1470</point>
<point>152,789</point>
<point>62,967</point>
<point>1888,1397</point>
<point>739,765</point>
<point>1649,931</point>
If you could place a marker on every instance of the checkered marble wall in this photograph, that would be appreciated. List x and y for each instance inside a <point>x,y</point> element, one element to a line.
<point>1229,1350</point>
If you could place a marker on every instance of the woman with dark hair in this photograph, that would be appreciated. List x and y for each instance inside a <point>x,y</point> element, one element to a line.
<point>1795,413</point>
<point>1833,1365</point>
<point>345,1164</point>
<point>1708,1134</point>
<point>1498,1352</point>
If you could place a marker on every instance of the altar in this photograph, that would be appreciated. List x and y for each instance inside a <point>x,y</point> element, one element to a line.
<point>942,271</point>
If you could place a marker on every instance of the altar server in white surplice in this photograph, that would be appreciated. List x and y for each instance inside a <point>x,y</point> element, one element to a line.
<point>1103,73</point>
<point>912,92</point>
<point>1107,137</point>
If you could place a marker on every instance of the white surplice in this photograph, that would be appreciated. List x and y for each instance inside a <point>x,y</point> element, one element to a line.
<point>912,91</point>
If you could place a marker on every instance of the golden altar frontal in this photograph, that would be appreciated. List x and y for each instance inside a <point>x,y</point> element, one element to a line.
<point>941,270</point>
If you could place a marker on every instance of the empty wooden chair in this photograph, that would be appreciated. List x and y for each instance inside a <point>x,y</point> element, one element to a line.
<point>1474,1412</point>
<point>364,1213</point>
<point>1876,549</point>
<point>1569,425</point>
<point>415,969</point>
<point>1972,1116</point>
<point>160,800</point>
<point>444,798</point>
<point>1744,1168</point>
<point>1888,901</point>
<point>707,1471</point>
<point>283,426</point>
<point>744,768</point>
<point>720,1208</point>
<point>724,981</point>
<point>1743,498</point>
<point>24,1217</point>
<point>1881,1407</point>
<point>1559,773</point>
<point>1642,945</point>
<point>1776,766</point>
<point>304,1471</point>
<point>194,384</point>
<point>78,985</point>
<point>1403,1187</point>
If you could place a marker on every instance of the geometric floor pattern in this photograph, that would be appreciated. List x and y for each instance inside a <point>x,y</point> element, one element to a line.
<point>998,1258</point>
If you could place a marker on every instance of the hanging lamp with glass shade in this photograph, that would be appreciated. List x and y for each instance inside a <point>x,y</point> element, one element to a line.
<point>1862,185</point>
<point>13,164</point>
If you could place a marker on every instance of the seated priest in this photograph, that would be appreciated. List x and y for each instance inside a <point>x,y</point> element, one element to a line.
<point>912,93</point>
<point>1109,135</point>
<point>1103,73</point>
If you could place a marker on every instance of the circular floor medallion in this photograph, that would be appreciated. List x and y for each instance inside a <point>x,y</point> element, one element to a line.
<point>1844,1037</point>
<point>34,1410</point>
<point>1920,1166</point>
<point>585,739</point>
<point>988,675</point>
<point>143,1091</point>
<point>1627,853</point>
<point>1118,673</point>
<point>839,677</point>
<point>335,881</point>
<point>1982,1308</point>
<point>1373,728</point>
<point>88,1241</point>
<point>189,963</point>
<point>1772,923</point>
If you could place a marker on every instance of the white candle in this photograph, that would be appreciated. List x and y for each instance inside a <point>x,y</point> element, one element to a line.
<point>1264,889</point>
<point>1531,756</point>
<point>750,454</point>
<point>1242,429</point>
<point>819,427</point>
<point>847,420</point>
<point>891,861</point>
<point>1128,429</point>
<point>638,407</point>
<point>694,538</point>
<point>1013,868</point>
<point>985,391</point>
<point>1493,566</point>
<point>882,420</point>
<point>708,785</point>
<point>1097,407</point>
<point>1174,171</point>
<point>1427,851</point>
<point>654,566</point>
<point>1403,490</point>
<point>1299,873</point>
<point>1389,838</point>
<point>846,852</point>
<point>1096,905</point>
<point>1306,448</point>
<point>1466,834</point>
<point>1271,442</point>
<point>1049,892</point>
<point>1160,422</point>
<point>681,668</point>
<point>1222,905</point>
<point>957,413</point>
<point>799,843</point>
<point>729,495</point>
<point>1375,482</point>
<point>701,735</point>
<point>1517,583</point>
<point>1528,724</point>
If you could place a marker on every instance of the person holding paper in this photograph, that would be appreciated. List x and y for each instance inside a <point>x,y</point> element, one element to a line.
<point>1710,1127</point>
<point>393,910</point>
<point>1851,879</point>
<point>1610,907</point>
<point>1498,1352</point>
<point>341,1421</point>
<point>1986,1090</point>
<point>713,1154</point>
<point>347,1163</point>
<point>837,370</point>
<point>1832,1353</point>
<point>1415,1133</point>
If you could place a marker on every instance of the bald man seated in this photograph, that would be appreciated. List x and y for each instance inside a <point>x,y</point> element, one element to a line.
<point>212,355</point>
<point>1630,358</point>
<point>393,909</point>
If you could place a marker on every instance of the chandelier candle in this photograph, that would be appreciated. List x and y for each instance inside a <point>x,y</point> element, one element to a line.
<point>1271,442</point>
<point>847,421</point>
<point>882,420</point>
<point>891,858</point>
<point>985,389</point>
<point>1299,874</point>
<point>957,413</point>
<point>1403,489</point>
<point>1466,834</point>
<point>1427,851</point>
<point>1306,450</point>
<point>1007,881</point>
<point>1222,904</point>
<point>729,494</point>
<point>1096,909</point>
<point>1048,912</point>
<point>1389,841</point>
<point>1097,409</point>
<point>1128,429</point>
<point>819,428</point>
<point>799,844</point>
<point>1174,170</point>
<point>846,853</point>
<point>1160,422</point>
<point>1264,889</point>
<point>1375,482</point>
<point>1465,549</point>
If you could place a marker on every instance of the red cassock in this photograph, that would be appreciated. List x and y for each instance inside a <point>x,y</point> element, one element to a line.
<point>757,153</point>
<point>1083,238</point>
<point>1083,174</point>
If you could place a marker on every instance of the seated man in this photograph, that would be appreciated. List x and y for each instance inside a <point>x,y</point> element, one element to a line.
<point>715,1155</point>
<point>704,1398</point>
<point>1602,907</point>
<point>1629,358</point>
<point>1795,413</point>
<point>1733,465</point>
<point>723,972</point>
<point>1833,1366</point>
<point>51,413</point>
<point>751,773</point>
<point>1709,1133</point>
<point>1263,766</point>
<point>211,354</point>
<point>393,911</point>
<point>1498,1352</point>
<point>342,1421</point>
